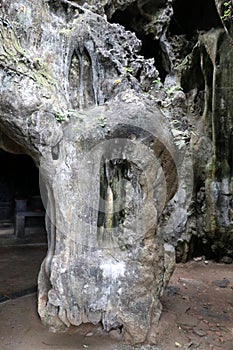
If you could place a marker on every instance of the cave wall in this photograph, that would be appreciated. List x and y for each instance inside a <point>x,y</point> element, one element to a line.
<point>191,44</point>
<point>116,80</point>
<point>219,170</point>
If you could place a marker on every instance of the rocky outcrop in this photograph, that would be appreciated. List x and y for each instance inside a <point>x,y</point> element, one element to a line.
<point>103,249</point>
<point>72,98</point>
<point>134,153</point>
<point>205,79</point>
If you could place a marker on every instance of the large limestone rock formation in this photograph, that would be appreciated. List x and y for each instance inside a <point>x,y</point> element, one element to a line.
<point>116,136</point>
<point>200,54</point>
<point>105,188</point>
<point>72,98</point>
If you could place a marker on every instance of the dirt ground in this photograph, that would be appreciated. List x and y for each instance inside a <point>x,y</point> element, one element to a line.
<point>197,308</point>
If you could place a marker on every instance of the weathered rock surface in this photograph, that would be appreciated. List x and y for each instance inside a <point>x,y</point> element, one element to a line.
<point>107,171</point>
<point>117,138</point>
<point>105,251</point>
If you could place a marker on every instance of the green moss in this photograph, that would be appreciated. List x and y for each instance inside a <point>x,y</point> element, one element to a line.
<point>209,169</point>
<point>227,13</point>
<point>62,115</point>
<point>101,121</point>
<point>66,31</point>
<point>14,59</point>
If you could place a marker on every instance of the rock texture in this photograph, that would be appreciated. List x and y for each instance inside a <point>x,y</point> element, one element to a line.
<point>72,98</point>
<point>103,249</point>
<point>134,151</point>
<point>204,75</point>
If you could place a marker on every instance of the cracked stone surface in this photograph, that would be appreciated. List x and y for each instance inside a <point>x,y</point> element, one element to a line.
<point>107,161</point>
<point>117,147</point>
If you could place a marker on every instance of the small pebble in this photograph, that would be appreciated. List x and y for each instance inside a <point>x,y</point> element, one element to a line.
<point>199,332</point>
<point>219,334</point>
<point>178,345</point>
<point>212,324</point>
<point>222,283</point>
<point>198,258</point>
<point>90,334</point>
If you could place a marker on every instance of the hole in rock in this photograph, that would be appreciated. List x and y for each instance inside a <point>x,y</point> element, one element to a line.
<point>62,10</point>
<point>193,15</point>
<point>193,77</point>
<point>153,49</point>
<point>113,176</point>
<point>20,254</point>
<point>132,19</point>
<point>19,179</point>
<point>197,248</point>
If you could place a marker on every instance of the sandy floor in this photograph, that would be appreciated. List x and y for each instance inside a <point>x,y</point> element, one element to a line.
<point>197,308</point>
<point>21,329</point>
<point>19,267</point>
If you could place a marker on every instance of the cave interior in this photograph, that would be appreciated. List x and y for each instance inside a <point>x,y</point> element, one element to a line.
<point>19,183</point>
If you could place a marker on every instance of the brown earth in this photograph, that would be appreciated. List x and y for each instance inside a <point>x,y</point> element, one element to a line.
<point>197,308</point>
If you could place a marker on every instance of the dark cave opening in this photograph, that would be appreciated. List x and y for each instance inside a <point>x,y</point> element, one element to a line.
<point>193,77</point>
<point>20,257</point>
<point>200,247</point>
<point>194,15</point>
<point>199,77</point>
<point>21,208</point>
<point>19,178</point>
<point>128,18</point>
<point>153,49</point>
<point>132,20</point>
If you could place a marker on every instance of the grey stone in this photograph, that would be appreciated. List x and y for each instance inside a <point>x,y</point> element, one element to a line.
<point>117,171</point>
<point>187,321</point>
<point>199,332</point>
<point>99,142</point>
<point>222,283</point>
